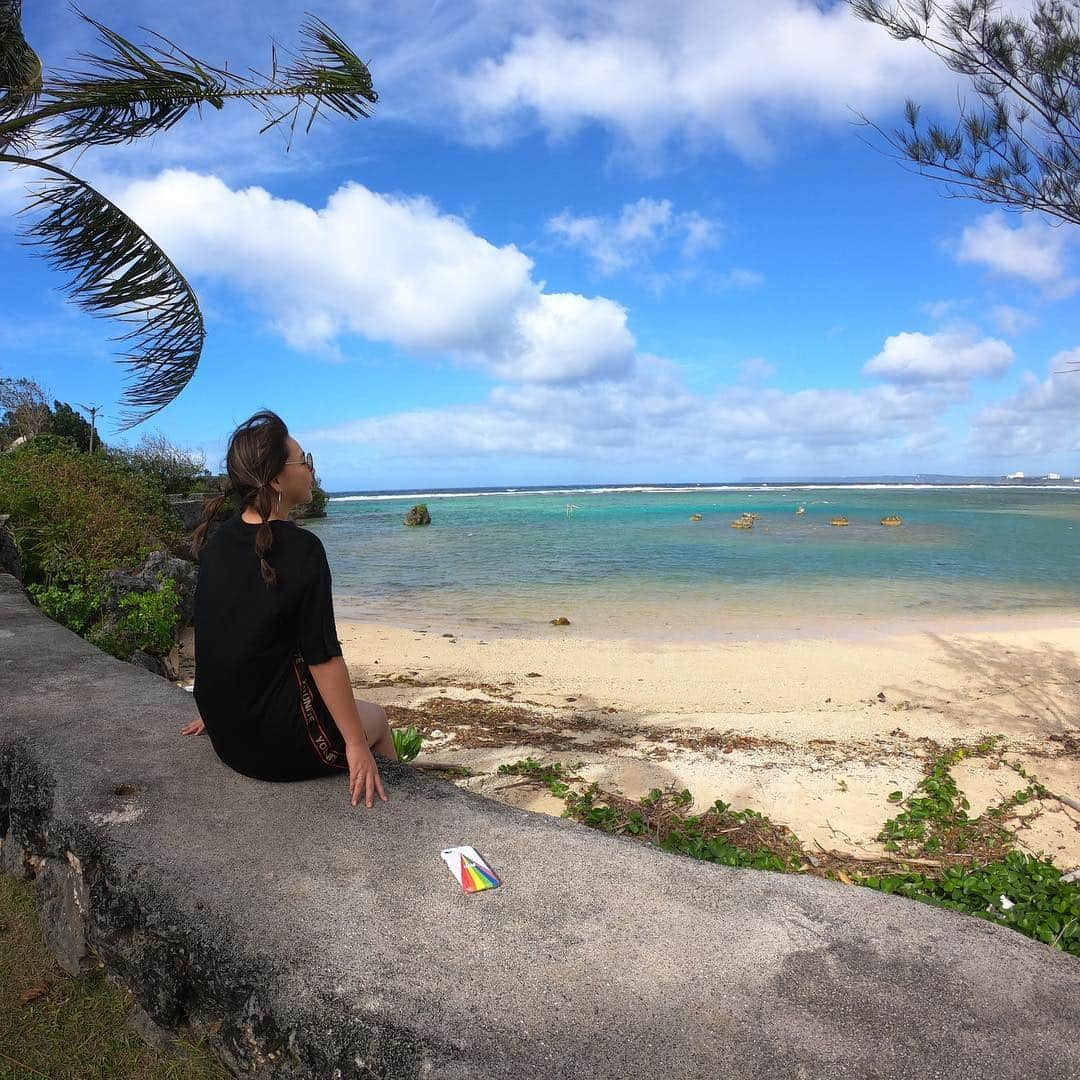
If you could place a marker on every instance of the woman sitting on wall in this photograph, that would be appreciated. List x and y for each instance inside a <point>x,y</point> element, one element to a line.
<point>271,684</point>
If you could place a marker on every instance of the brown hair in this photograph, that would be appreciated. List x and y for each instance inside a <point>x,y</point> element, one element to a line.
<point>257,453</point>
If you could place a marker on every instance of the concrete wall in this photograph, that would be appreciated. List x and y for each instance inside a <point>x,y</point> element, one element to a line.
<point>317,939</point>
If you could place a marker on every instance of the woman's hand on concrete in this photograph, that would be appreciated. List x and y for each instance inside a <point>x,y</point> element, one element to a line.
<point>364,778</point>
<point>196,727</point>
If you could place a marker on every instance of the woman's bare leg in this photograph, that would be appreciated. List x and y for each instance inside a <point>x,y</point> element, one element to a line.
<point>377,728</point>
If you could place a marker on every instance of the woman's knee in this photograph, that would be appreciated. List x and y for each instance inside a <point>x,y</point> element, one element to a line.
<point>374,718</point>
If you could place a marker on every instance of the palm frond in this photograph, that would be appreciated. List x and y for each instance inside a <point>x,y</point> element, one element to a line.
<point>327,72</point>
<point>131,91</point>
<point>126,93</point>
<point>20,74</point>
<point>118,271</point>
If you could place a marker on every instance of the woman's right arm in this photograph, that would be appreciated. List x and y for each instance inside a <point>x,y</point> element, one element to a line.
<point>321,649</point>
<point>332,680</point>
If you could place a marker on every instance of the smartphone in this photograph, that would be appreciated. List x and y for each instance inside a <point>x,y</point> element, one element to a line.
<point>469,870</point>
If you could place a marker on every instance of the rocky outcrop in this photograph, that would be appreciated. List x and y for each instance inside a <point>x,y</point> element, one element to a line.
<point>307,938</point>
<point>156,665</point>
<point>158,567</point>
<point>302,514</point>
<point>190,508</point>
<point>418,515</point>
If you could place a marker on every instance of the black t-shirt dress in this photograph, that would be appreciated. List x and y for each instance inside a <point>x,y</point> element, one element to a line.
<point>253,645</point>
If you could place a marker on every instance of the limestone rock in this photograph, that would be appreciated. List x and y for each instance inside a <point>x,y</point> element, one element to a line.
<point>190,508</point>
<point>62,892</point>
<point>562,620</point>
<point>418,515</point>
<point>147,662</point>
<point>159,565</point>
<point>142,1023</point>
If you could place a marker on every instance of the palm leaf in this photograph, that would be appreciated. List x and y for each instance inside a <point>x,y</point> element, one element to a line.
<point>118,271</point>
<point>20,72</point>
<point>131,91</point>
<point>128,92</point>
<point>330,74</point>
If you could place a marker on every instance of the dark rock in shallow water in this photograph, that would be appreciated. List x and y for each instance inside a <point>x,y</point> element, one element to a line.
<point>306,515</point>
<point>418,515</point>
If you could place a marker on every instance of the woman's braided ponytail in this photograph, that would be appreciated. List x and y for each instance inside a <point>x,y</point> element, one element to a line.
<point>257,453</point>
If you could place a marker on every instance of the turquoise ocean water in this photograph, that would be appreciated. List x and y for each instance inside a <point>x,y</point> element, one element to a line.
<point>626,561</point>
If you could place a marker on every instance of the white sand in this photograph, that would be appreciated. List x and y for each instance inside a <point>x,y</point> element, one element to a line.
<point>841,749</point>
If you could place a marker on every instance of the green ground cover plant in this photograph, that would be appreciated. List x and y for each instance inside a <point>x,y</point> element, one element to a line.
<point>976,866</point>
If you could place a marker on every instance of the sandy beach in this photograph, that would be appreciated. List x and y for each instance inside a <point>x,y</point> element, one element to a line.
<point>812,731</point>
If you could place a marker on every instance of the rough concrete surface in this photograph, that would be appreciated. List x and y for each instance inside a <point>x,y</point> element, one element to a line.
<point>318,939</point>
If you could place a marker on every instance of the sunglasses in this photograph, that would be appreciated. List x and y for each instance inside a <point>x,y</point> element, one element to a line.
<point>307,460</point>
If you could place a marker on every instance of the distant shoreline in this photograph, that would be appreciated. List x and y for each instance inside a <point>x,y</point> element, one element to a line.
<point>854,485</point>
<point>781,627</point>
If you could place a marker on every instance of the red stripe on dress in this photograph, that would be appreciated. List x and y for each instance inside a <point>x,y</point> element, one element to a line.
<point>324,748</point>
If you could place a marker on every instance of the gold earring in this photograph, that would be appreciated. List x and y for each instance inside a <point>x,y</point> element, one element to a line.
<point>279,502</point>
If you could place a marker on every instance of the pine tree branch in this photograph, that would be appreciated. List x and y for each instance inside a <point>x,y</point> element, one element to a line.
<point>1021,72</point>
<point>977,187</point>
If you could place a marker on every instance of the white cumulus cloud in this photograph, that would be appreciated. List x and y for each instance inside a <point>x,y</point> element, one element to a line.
<point>640,229</point>
<point>652,415</point>
<point>1040,418</point>
<point>1033,250</point>
<point>695,70</point>
<point>390,268</point>
<point>938,358</point>
<point>1011,320</point>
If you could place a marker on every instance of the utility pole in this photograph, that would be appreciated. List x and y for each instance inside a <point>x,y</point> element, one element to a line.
<point>93,410</point>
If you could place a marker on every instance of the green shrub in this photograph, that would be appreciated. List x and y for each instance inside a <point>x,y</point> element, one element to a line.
<point>75,605</point>
<point>76,516</point>
<point>172,469</point>
<point>148,621</point>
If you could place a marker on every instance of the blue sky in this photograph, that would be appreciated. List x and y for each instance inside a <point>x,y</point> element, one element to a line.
<point>577,243</point>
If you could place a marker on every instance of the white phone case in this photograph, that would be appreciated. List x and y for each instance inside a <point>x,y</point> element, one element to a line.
<point>452,858</point>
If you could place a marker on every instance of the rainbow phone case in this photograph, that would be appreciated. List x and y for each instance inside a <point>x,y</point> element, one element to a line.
<point>470,871</point>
